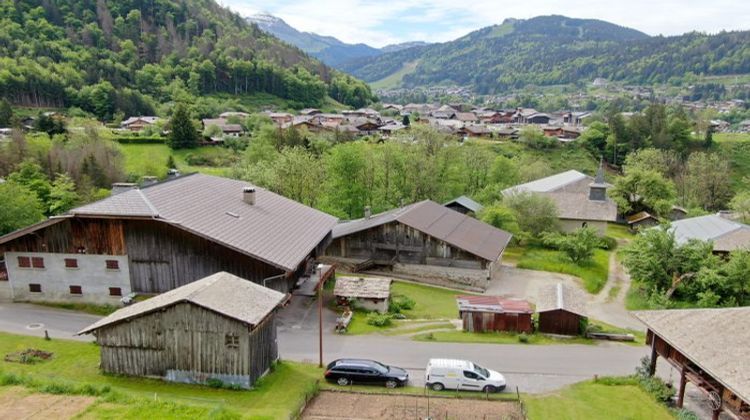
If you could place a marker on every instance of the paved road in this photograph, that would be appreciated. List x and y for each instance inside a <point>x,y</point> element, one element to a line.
<point>531,368</point>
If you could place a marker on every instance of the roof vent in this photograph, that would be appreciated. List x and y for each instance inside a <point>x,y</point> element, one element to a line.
<point>248,195</point>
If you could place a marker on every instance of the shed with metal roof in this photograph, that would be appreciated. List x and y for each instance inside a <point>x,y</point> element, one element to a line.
<point>483,313</point>
<point>220,328</point>
<point>561,309</point>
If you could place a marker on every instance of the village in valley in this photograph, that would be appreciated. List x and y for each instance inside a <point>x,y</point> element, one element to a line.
<point>215,220</point>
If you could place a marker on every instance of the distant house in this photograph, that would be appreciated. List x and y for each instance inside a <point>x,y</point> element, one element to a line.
<point>281,117</point>
<point>309,111</point>
<point>370,293</point>
<point>424,241</point>
<point>227,128</point>
<point>160,237</point>
<point>642,220</point>
<point>726,235</point>
<point>230,114</point>
<point>580,199</point>
<point>506,132</point>
<point>530,116</point>
<point>220,328</point>
<point>466,117</point>
<point>138,123</point>
<point>464,205</point>
<point>561,310</point>
<point>482,313</point>
<point>538,118</point>
<point>477,130</point>
<point>600,82</point>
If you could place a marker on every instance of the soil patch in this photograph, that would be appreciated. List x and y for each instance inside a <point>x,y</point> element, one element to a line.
<point>344,405</point>
<point>18,403</point>
<point>28,356</point>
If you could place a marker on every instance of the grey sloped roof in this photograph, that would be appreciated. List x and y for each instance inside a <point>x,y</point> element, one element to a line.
<point>577,206</point>
<point>361,287</point>
<point>222,293</point>
<point>277,230</point>
<point>550,183</point>
<point>559,296</point>
<point>467,203</point>
<point>462,231</point>
<point>726,234</point>
<point>714,339</point>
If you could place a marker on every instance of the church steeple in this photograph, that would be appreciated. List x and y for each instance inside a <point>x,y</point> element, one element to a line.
<point>598,189</point>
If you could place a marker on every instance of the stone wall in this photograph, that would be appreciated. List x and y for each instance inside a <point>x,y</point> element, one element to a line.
<point>55,279</point>
<point>466,278</point>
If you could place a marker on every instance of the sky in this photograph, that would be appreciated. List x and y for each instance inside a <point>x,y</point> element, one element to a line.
<point>379,23</point>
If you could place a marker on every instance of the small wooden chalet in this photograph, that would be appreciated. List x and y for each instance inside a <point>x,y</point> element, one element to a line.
<point>464,205</point>
<point>157,238</point>
<point>482,313</point>
<point>641,220</point>
<point>138,123</point>
<point>426,241</point>
<point>561,310</point>
<point>707,347</point>
<point>221,327</point>
<point>370,293</point>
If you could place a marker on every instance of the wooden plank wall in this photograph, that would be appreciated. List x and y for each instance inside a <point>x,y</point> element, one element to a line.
<point>95,236</point>
<point>190,338</point>
<point>559,322</point>
<point>486,322</point>
<point>412,246</point>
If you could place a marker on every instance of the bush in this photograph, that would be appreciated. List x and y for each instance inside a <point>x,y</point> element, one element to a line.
<point>400,303</point>
<point>663,392</point>
<point>617,380</point>
<point>607,243</point>
<point>523,338</point>
<point>378,320</point>
<point>215,383</point>
<point>216,157</point>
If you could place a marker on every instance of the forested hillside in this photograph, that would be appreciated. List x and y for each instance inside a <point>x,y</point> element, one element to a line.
<point>127,56</point>
<point>551,50</point>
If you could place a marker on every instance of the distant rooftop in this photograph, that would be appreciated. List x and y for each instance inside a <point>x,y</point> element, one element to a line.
<point>726,234</point>
<point>550,183</point>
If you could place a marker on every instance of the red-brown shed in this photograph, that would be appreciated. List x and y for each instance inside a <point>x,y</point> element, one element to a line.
<point>494,313</point>
<point>561,309</point>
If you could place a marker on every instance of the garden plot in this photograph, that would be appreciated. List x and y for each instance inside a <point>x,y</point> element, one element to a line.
<point>17,403</point>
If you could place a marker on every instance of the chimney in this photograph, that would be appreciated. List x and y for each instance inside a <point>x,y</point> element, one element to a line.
<point>368,212</point>
<point>248,195</point>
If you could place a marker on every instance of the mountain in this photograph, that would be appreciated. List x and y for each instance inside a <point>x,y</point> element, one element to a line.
<point>327,49</point>
<point>550,50</point>
<point>402,46</point>
<point>127,57</point>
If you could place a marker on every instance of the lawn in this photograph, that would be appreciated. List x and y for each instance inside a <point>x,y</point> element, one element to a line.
<point>431,303</point>
<point>496,338</point>
<point>75,364</point>
<point>593,273</point>
<point>151,159</point>
<point>619,232</point>
<point>590,400</point>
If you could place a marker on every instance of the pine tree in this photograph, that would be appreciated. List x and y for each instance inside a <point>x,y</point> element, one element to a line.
<point>171,163</point>
<point>406,121</point>
<point>183,134</point>
<point>6,113</point>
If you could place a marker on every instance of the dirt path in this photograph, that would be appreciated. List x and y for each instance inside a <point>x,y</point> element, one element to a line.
<point>18,403</point>
<point>344,405</point>
<point>609,304</point>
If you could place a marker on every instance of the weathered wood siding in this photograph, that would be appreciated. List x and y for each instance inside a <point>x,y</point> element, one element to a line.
<point>559,322</point>
<point>161,257</point>
<point>406,244</point>
<point>189,338</point>
<point>487,321</point>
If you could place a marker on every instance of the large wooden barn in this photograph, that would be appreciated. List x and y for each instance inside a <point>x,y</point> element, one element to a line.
<point>163,236</point>
<point>708,348</point>
<point>561,309</point>
<point>482,313</point>
<point>221,327</point>
<point>424,241</point>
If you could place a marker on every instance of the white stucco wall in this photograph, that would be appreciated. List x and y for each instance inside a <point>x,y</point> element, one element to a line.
<point>55,279</point>
<point>380,305</point>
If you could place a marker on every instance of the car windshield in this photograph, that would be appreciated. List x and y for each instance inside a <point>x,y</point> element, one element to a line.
<point>482,371</point>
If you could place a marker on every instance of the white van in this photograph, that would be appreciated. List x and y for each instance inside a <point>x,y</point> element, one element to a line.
<point>462,375</point>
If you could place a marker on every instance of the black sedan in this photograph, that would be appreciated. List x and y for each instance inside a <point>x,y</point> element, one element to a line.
<point>365,372</point>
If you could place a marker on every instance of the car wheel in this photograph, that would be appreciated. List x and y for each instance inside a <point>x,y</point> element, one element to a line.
<point>391,383</point>
<point>490,389</point>
<point>437,386</point>
<point>343,381</point>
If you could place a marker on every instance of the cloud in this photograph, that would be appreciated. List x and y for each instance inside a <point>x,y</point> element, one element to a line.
<point>378,23</point>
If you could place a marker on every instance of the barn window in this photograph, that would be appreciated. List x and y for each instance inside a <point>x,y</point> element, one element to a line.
<point>113,265</point>
<point>37,262</point>
<point>115,291</point>
<point>71,263</point>
<point>232,341</point>
<point>24,262</point>
<point>76,290</point>
<point>35,288</point>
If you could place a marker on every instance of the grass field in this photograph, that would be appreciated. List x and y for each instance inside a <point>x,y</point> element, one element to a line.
<point>151,159</point>
<point>589,400</point>
<point>620,232</point>
<point>394,80</point>
<point>593,273</point>
<point>431,303</point>
<point>496,338</point>
<point>75,364</point>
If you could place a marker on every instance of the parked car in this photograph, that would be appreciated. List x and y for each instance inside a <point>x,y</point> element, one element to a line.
<point>357,371</point>
<point>462,375</point>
